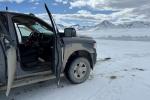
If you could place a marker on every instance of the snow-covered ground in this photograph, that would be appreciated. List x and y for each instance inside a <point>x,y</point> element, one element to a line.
<point>125,77</point>
<point>135,32</point>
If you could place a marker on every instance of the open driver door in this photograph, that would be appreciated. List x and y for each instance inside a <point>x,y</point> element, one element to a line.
<point>58,49</point>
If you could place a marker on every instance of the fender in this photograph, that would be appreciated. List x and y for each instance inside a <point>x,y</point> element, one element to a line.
<point>70,48</point>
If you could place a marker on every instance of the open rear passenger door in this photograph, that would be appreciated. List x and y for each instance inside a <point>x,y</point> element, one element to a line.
<point>9,51</point>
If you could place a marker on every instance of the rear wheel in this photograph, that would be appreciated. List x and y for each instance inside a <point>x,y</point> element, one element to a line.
<point>79,70</point>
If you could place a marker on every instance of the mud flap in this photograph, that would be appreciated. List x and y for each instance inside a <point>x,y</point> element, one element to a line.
<point>11,68</point>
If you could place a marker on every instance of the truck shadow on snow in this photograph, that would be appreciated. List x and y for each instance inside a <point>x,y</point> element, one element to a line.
<point>34,89</point>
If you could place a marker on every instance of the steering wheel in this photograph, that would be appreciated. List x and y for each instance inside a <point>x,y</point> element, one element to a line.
<point>33,37</point>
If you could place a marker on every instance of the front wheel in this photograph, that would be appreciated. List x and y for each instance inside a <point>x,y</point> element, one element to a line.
<point>79,70</point>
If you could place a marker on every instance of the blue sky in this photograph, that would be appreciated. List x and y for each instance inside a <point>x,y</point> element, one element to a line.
<point>83,11</point>
<point>36,6</point>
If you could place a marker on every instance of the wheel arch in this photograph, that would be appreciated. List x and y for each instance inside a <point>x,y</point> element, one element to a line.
<point>76,54</point>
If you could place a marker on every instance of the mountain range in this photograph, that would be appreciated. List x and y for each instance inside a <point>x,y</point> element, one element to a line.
<point>108,25</point>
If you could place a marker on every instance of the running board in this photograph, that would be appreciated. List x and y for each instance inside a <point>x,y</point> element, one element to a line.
<point>31,80</point>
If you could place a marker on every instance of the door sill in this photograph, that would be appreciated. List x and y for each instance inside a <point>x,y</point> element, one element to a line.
<point>31,80</point>
<point>34,74</point>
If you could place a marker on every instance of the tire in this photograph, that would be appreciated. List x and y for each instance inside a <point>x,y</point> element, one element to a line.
<point>78,70</point>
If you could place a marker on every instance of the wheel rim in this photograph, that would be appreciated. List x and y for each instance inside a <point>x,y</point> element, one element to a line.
<point>80,70</point>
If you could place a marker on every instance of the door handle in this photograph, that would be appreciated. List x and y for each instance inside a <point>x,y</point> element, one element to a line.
<point>7,43</point>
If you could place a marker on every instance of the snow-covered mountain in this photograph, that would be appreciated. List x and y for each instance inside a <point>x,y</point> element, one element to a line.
<point>61,27</point>
<point>77,26</point>
<point>135,24</point>
<point>105,24</point>
<point>109,25</point>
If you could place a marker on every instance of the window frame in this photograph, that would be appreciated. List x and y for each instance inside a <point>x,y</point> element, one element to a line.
<point>36,19</point>
<point>5,28</point>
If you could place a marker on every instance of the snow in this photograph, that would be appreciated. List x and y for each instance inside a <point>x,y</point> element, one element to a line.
<point>124,77</point>
<point>134,32</point>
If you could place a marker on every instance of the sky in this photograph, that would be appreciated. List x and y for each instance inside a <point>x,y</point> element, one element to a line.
<point>84,12</point>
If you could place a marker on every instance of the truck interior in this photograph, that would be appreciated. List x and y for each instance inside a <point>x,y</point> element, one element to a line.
<point>35,43</point>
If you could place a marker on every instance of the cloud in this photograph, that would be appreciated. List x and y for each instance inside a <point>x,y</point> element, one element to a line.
<point>108,4</point>
<point>83,12</point>
<point>62,1</point>
<point>139,6</point>
<point>86,17</point>
<point>78,4</point>
<point>58,0</point>
<point>89,3</point>
<point>36,3</point>
<point>125,10</point>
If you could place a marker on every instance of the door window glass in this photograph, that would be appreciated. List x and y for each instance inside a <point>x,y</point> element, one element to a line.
<point>25,31</point>
<point>41,28</point>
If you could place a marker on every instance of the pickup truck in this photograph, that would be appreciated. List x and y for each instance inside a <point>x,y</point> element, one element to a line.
<point>32,50</point>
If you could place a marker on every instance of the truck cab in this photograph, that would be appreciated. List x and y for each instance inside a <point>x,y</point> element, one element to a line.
<point>32,50</point>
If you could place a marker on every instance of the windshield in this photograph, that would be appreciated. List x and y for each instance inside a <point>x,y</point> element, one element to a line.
<point>41,28</point>
<point>29,24</point>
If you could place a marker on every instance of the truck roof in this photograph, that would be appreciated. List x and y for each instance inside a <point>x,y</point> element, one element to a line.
<point>15,13</point>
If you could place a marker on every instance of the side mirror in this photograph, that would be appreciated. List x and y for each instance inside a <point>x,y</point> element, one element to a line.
<point>70,32</point>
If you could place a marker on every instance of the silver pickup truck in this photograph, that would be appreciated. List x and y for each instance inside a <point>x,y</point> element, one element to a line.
<point>32,51</point>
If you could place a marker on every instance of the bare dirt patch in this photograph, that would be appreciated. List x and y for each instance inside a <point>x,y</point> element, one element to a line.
<point>113,77</point>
